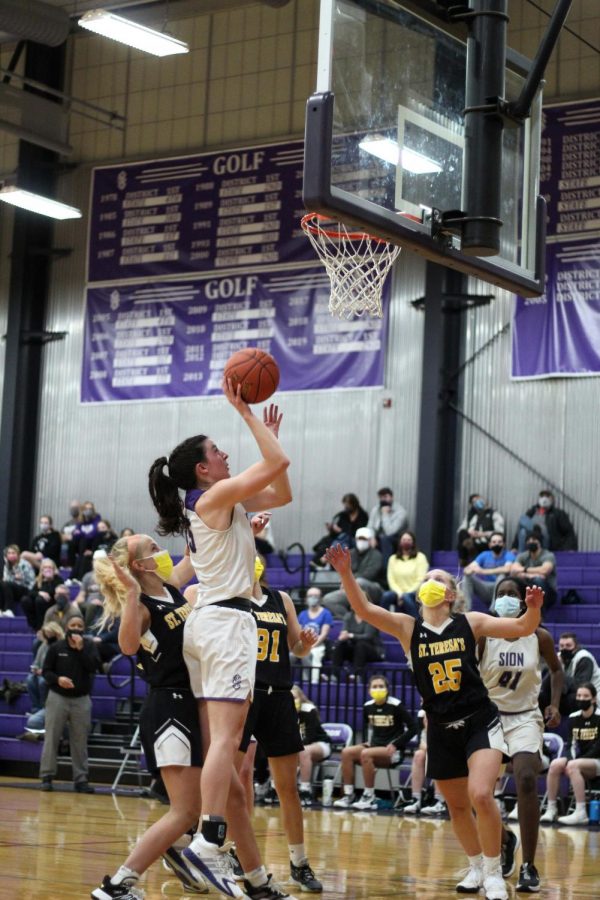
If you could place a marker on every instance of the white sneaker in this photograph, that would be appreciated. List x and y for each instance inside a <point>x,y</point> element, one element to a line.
<point>513,815</point>
<point>213,863</point>
<point>412,809</point>
<point>550,815</point>
<point>436,809</point>
<point>579,817</point>
<point>471,882</point>
<point>366,803</point>
<point>494,886</point>
<point>8,613</point>
<point>344,802</point>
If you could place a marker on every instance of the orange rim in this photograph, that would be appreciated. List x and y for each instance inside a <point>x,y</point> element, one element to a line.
<point>310,223</point>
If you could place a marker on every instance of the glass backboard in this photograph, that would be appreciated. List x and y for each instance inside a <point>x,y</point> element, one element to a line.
<point>385,136</point>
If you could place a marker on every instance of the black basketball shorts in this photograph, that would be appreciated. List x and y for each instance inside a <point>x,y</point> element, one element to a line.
<point>273,721</point>
<point>170,729</point>
<point>450,744</point>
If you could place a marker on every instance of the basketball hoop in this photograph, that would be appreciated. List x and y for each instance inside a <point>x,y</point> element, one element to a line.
<point>357,264</point>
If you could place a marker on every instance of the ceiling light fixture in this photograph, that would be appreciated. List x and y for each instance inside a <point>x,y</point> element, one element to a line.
<point>131,33</point>
<point>389,151</point>
<point>36,203</point>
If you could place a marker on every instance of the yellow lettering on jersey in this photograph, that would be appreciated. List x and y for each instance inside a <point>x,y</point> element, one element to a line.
<point>585,734</point>
<point>266,616</point>
<point>379,720</point>
<point>175,617</point>
<point>423,650</point>
<point>446,676</point>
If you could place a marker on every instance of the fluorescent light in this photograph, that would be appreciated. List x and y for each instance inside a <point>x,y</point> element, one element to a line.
<point>389,152</point>
<point>131,33</point>
<point>38,204</point>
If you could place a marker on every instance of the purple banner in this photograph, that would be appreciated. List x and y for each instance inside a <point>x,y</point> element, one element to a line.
<point>559,334</point>
<point>172,339</point>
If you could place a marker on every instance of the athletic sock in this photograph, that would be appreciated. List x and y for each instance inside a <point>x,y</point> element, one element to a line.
<point>580,807</point>
<point>257,877</point>
<point>123,874</point>
<point>476,862</point>
<point>297,854</point>
<point>348,790</point>
<point>552,805</point>
<point>491,864</point>
<point>369,792</point>
<point>305,786</point>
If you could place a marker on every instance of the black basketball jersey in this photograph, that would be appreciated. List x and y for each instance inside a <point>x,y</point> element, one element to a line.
<point>445,670</point>
<point>160,653</point>
<point>273,658</point>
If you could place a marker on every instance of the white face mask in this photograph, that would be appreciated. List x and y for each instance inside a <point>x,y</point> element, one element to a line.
<point>312,600</point>
<point>508,606</point>
<point>362,545</point>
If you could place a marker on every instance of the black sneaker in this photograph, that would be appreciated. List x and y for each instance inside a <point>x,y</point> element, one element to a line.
<point>304,877</point>
<point>110,891</point>
<point>174,862</point>
<point>236,866</point>
<point>271,798</point>
<point>507,854</point>
<point>529,880</point>
<point>305,798</point>
<point>83,787</point>
<point>268,891</point>
<point>46,784</point>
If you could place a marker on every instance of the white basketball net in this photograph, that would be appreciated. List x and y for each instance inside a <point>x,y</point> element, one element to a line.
<point>357,265</point>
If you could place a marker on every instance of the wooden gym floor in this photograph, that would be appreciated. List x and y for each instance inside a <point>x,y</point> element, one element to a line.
<point>57,846</point>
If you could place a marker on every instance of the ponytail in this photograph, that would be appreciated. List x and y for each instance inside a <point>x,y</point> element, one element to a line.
<point>164,488</point>
<point>112,590</point>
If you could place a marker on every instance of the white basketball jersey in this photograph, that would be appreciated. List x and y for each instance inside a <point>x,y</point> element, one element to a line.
<point>223,560</point>
<point>511,673</point>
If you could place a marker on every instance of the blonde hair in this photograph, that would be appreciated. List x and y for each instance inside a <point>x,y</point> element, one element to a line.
<point>299,694</point>
<point>455,586</point>
<point>113,591</point>
<point>54,629</point>
<point>44,564</point>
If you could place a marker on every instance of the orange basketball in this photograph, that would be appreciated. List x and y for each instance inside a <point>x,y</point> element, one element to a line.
<point>257,372</point>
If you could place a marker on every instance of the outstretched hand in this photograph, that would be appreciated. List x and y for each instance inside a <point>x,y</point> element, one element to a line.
<point>534,597</point>
<point>233,394</point>
<point>272,418</point>
<point>125,577</point>
<point>339,558</point>
<point>259,522</point>
<point>309,636</point>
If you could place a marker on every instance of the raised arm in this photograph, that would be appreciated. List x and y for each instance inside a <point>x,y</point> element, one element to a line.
<point>397,624</point>
<point>484,625</point>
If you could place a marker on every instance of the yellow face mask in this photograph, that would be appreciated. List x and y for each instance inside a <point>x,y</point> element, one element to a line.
<point>297,703</point>
<point>378,694</point>
<point>432,593</point>
<point>164,564</point>
<point>259,568</point>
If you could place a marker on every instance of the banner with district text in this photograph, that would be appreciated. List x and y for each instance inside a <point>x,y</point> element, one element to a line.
<point>558,334</point>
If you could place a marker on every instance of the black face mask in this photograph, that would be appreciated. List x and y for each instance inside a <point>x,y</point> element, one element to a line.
<point>73,631</point>
<point>566,655</point>
<point>62,601</point>
<point>583,704</point>
<point>532,546</point>
<point>497,549</point>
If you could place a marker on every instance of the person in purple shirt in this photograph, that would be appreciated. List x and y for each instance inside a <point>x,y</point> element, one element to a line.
<point>83,538</point>
<point>490,565</point>
<point>318,618</point>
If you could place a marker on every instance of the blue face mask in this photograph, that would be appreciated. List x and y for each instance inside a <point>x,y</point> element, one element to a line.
<point>508,606</point>
<point>479,504</point>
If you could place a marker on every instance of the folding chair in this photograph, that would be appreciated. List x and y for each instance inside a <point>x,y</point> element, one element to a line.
<point>341,735</point>
<point>553,748</point>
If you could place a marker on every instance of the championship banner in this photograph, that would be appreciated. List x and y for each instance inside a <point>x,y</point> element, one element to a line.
<point>559,334</point>
<point>170,340</point>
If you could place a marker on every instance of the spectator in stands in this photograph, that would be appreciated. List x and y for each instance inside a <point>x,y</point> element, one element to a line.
<point>580,668</point>
<point>476,528</point>
<point>263,539</point>
<point>90,599</point>
<point>320,620</point>
<point>387,520</point>
<point>342,529</point>
<point>63,609</point>
<point>37,687</point>
<point>37,602</point>
<point>126,532</point>
<point>367,567</point>
<point>580,760</point>
<point>317,743</point>
<point>45,545</point>
<point>406,570</point>
<point>537,567</point>
<point>66,533</point>
<point>387,729</point>
<point>106,641</point>
<point>550,524</point>
<point>69,671</point>
<point>358,643</point>
<point>18,578</point>
<point>82,541</point>
<point>488,566</point>
<point>105,537</point>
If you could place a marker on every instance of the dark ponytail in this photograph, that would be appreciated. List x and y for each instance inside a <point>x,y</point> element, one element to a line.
<point>164,489</point>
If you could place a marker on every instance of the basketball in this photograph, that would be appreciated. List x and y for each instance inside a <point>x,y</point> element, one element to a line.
<point>257,372</point>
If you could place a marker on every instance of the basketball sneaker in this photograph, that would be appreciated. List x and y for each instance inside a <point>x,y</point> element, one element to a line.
<point>175,863</point>
<point>494,887</point>
<point>366,803</point>
<point>236,866</point>
<point>305,798</point>
<point>438,808</point>
<point>507,853</point>
<point>212,863</point>
<point>550,815</point>
<point>305,878</point>
<point>344,802</point>
<point>513,815</point>
<point>412,809</point>
<point>529,880</point>
<point>579,817</point>
<point>268,891</point>
<point>110,891</point>
<point>271,798</point>
<point>472,881</point>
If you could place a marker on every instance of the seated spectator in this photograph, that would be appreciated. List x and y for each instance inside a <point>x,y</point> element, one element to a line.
<point>580,760</point>
<point>537,567</point>
<point>45,545</point>
<point>367,567</point>
<point>318,618</point>
<point>406,570</point>
<point>580,668</point>
<point>342,529</point>
<point>105,537</point>
<point>551,525</point>
<point>82,540</point>
<point>263,539</point>
<point>488,566</point>
<point>126,532</point>
<point>18,578</point>
<point>475,530</point>
<point>387,520</point>
<point>418,802</point>
<point>387,729</point>
<point>90,599</point>
<point>63,608</point>
<point>66,533</point>
<point>36,684</point>
<point>106,641</point>
<point>317,743</point>
<point>41,597</point>
<point>358,643</point>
